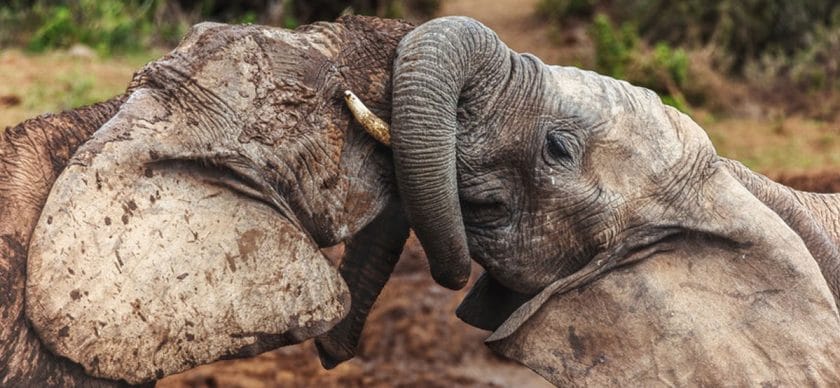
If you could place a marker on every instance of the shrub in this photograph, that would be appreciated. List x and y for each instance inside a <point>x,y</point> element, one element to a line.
<point>745,30</point>
<point>613,47</point>
<point>128,25</point>
<point>619,53</point>
<point>817,65</point>
<point>106,25</point>
<point>559,10</point>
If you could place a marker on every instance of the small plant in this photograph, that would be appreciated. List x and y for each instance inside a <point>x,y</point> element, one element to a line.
<point>816,66</point>
<point>106,25</point>
<point>619,53</point>
<point>613,47</point>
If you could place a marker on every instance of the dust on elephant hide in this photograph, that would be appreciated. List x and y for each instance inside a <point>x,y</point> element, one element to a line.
<point>554,179</point>
<point>666,321</point>
<point>187,228</point>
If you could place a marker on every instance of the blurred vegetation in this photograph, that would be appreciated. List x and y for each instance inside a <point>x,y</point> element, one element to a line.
<point>61,54</point>
<point>774,46</point>
<point>120,26</point>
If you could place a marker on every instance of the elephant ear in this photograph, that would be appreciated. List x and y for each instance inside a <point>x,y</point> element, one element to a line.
<point>158,266</point>
<point>489,303</point>
<point>699,311</point>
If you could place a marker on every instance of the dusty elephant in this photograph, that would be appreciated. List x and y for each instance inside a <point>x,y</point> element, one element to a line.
<point>185,227</point>
<point>580,129</point>
<point>619,248</point>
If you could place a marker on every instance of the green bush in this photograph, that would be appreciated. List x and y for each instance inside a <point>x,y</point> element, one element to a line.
<point>620,53</point>
<point>559,10</point>
<point>106,25</point>
<point>120,26</point>
<point>744,30</point>
<point>817,65</point>
<point>613,47</point>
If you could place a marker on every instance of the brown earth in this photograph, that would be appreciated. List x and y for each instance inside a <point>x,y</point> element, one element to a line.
<point>818,182</point>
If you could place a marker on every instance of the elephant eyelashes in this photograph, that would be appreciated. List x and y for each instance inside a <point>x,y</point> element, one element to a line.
<point>558,145</point>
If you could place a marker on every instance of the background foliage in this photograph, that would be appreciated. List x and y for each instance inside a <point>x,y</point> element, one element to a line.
<point>761,76</point>
<point>129,25</point>
<point>774,45</point>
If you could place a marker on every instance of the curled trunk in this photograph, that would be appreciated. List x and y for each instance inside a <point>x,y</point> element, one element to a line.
<point>437,74</point>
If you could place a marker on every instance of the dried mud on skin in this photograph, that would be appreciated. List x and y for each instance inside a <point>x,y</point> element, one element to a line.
<point>412,339</point>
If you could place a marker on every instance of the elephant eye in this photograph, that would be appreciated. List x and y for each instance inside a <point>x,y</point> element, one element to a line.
<point>558,145</point>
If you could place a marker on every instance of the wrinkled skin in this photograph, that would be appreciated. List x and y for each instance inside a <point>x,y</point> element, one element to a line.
<point>32,155</point>
<point>553,178</point>
<point>583,174</point>
<point>186,228</point>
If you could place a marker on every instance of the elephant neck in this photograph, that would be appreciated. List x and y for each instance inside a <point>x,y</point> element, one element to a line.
<point>825,208</point>
<point>32,154</point>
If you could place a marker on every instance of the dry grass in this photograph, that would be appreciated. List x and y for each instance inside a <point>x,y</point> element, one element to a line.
<point>34,84</point>
<point>772,145</point>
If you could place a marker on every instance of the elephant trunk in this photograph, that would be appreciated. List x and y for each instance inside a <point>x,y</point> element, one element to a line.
<point>438,75</point>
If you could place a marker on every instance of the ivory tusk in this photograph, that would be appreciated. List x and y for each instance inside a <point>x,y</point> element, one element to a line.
<point>373,125</point>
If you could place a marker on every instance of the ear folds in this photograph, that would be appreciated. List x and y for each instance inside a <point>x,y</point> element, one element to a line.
<point>138,271</point>
<point>701,314</point>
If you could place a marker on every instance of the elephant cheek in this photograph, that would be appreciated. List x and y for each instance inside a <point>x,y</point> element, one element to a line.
<point>137,273</point>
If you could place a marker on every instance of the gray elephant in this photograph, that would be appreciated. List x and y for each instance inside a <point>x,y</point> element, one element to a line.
<point>619,248</point>
<point>186,228</point>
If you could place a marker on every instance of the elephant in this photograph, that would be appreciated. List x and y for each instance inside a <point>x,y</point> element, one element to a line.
<point>619,248</point>
<point>179,223</point>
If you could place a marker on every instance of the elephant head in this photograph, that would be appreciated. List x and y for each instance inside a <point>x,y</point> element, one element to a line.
<point>552,178</point>
<point>187,228</point>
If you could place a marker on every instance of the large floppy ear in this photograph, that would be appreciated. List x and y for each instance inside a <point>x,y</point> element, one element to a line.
<point>142,265</point>
<point>739,302</point>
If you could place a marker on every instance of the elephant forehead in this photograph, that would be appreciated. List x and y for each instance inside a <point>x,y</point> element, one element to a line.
<point>628,125</point>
